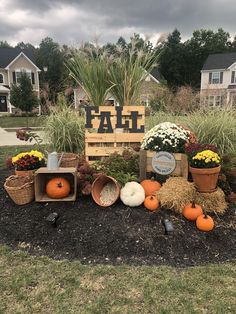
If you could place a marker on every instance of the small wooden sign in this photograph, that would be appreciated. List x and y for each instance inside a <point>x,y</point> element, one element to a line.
<point>163,163</point>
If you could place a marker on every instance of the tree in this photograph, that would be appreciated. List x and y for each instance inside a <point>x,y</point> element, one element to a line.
<point>23,96</point>
<point>171,60</point>
<point>4,44</point>
<point>49,55</point>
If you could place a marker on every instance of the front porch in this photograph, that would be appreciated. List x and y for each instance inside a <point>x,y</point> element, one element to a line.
<point>5,105</point>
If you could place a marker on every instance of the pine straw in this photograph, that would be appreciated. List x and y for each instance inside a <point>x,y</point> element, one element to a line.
<point>212,202</point>
<point>175,193</point>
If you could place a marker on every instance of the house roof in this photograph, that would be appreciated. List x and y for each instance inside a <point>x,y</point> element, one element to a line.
<point>219,61</point>
<point>156,74</point>
<point>7,55</point>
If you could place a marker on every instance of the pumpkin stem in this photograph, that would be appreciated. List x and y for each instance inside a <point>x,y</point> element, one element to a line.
<point>193,203</point>
<point>59,184</point>
<point>204,212</point>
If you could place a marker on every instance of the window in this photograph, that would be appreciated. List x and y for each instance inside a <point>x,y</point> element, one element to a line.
<point>1,79</point>
<point>218,100</point>
<point>233,77</point>
<point>213,101</point>
<point>215,77</point>
<point>18,76</point>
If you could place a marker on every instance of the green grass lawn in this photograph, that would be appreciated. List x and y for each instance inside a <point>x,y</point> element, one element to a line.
<point>42,285</point>
<point>11,122</point>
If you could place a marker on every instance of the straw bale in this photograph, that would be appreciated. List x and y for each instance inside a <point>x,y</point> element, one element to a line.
<point>212,202</point>
<point>175,193</point>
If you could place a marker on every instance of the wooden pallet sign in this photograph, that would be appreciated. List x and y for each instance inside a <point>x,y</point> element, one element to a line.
<point>145,164</point>
<point>112,129</point>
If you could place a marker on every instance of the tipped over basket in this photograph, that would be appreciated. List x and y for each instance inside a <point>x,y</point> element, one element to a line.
<point>20,189</point>
<point>105,190</point>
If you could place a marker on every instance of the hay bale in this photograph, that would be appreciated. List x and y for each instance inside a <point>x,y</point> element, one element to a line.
<point>212,202</point>
<point>175,193</point>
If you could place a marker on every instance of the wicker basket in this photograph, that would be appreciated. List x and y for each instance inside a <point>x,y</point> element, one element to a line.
<point>69,160</point>
<point>20,189</point>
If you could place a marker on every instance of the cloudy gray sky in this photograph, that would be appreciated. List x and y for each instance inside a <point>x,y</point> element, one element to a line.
<point>74,21</point>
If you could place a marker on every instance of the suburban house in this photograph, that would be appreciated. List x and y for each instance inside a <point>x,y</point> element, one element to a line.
<point>13,61</point>
<point>148,90</point>
<point>218,80</point>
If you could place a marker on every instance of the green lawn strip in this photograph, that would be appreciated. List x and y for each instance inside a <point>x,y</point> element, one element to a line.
<point>11,122</point>
<point>7,151</point>
<point>42,285</point>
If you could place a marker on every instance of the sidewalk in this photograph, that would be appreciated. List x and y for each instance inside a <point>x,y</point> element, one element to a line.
<point>10,139</point>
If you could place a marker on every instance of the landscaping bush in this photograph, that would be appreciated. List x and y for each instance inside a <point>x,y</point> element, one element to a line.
<point>185,100</point>
<point>64,129</point>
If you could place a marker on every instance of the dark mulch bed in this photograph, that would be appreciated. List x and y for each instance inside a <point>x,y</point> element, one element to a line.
<point>113,235</point>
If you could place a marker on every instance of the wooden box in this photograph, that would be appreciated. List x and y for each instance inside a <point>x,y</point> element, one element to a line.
<point>145,164</point>
<point>43,175</point>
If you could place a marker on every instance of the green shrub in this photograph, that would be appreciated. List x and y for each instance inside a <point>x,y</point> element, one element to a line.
<point>64,129</point>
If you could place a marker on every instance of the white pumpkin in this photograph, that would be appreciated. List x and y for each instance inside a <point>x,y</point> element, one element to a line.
<point>132,194</point>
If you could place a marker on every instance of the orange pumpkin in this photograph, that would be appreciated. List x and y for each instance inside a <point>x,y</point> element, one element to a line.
<point>58,188</point>
<point>192,211</point>
<point>151,203</point>
<point>150,186</point>
<point>205,223</point>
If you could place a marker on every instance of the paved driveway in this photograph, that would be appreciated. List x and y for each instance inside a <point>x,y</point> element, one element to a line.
<point>10,139</point>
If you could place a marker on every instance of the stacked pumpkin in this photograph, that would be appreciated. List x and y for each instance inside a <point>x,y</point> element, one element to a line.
<point>134,194</point>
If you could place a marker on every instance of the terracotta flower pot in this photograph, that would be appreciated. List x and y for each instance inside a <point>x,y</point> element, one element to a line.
<point>97,187</point>
<point>24,172</point>
<point>205,179</point>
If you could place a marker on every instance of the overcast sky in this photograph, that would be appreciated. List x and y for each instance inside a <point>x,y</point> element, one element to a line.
<point>74,21</point>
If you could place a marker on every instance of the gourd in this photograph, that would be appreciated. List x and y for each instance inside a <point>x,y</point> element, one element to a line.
<point>151,203</point>
<point>132,194</point>
<point>205,223</point>
<point>150,186</point>
<point>192,210</point>
<point>58,188</point>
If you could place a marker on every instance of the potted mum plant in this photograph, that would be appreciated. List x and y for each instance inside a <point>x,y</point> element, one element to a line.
<point>166,136</point>
<point>27,162</point>
<point>205,168</point>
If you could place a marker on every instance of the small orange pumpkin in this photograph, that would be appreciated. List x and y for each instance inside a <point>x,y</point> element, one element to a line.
<point>192,210</point>
<point>205,222</point>
<point>58,188</point>
<point>150,186</point>
<point>151,203</point>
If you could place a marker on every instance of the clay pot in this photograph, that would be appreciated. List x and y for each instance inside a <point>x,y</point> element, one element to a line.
<point>97,187</point>
<point>24,172</point>
<point>205,179</point>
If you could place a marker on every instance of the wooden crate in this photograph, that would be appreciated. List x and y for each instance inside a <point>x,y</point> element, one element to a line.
<point>145,164</point>
<point>98,145</point>
<point>43,175</point>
